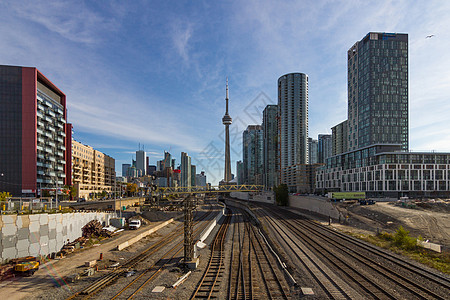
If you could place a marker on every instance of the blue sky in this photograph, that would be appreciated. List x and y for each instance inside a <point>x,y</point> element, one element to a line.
<point>153,72</point>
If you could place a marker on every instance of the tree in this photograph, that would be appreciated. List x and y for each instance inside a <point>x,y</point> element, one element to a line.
<point>282,195</point>
<point>73,191</point>
<point>131,188</point>
<point>4,196</point>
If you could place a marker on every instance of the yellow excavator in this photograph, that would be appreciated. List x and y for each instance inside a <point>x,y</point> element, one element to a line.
<point>27,267</point>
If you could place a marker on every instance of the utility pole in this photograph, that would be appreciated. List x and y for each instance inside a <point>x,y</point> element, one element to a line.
<point>188,230</point>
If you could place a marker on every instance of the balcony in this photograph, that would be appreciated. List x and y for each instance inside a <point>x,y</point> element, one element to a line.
<point>60,154</point>
<point>61,147</point>
<point>50,113</point>
<point>39,114</point>
<point>51,158</point>
<point>62,133</point>
<point>50,128</point>
<point>62,161</point>
<point>48,119</point>
<point>48,150</point>
<point>50,143</point>
<point>48,134</point>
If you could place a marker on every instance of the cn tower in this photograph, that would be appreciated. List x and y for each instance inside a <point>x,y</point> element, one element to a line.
<point>226,120</point>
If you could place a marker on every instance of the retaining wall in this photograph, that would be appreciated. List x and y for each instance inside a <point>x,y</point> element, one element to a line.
<point>42,234</point>
<point>266,197</point>
<point>318,205</point>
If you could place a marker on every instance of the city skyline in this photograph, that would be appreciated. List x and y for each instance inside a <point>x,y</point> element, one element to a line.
<point>163,82</point>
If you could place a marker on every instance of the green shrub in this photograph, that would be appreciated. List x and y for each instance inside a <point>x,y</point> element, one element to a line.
<point>386,236</point>
<point>403,240</point>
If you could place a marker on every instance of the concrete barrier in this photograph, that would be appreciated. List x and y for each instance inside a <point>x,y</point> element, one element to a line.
<point>205,233</point>
<point>143,235</point>
<point>431,246</point>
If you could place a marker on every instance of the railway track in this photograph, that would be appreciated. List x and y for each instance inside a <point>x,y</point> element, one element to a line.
<point>362,264</point>
<point>254,271</point>
<point>209,283</point>
<point>112,276</point>
<point>395,259</point>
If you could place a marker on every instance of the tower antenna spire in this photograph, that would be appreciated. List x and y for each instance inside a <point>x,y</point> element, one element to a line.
<point>227,89</point>
<point>226,120</point>
<point>226,99</point>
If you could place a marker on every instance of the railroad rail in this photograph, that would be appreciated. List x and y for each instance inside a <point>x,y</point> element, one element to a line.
<point>112,276</point>
<point>209,282</point>
<point>358,262</point>
<point>254,271</point>
<point>150,273</point>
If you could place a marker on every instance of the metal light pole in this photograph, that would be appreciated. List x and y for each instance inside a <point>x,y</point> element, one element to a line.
<point>56,193</point>
<point>115,197</point>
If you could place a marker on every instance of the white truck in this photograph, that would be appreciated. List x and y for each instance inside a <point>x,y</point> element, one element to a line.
<point>134,224</point>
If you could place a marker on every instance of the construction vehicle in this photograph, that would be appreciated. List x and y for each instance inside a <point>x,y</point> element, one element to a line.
<point>26,267</point>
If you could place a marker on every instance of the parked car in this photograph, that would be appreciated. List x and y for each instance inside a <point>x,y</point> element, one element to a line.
<point>81,200</point>
<point>134,224</point>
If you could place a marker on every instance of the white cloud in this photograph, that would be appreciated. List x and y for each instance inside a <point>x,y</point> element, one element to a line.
<point>71,20</point>
<point>181,35</point>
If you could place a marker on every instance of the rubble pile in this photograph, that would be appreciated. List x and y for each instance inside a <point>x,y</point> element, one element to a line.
<point>95,228</point>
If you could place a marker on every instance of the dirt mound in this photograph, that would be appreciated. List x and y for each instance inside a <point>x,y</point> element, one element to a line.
<point>143,220</point>
<point>156,216</point>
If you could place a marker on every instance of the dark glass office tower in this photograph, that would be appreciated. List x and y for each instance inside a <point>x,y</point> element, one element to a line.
<point>252,146</point>
<point>270,143</point>
<point>378,91</point>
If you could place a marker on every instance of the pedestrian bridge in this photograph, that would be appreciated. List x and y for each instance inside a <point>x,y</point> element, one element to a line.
<point>210,189</point>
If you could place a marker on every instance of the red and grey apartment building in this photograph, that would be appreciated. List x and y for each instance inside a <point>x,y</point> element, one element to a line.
<point>35,138</point>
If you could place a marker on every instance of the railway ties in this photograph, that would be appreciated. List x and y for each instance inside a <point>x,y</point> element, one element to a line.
<point>254,271</point>
<point>209,285</point>
<point>370,271</point>
<point>145,276</point>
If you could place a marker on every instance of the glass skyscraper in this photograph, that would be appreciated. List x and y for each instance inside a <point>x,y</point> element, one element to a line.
<point>252,141</point>
<point>378,91</point>
<point>270,131</point>
<point>293,119</point>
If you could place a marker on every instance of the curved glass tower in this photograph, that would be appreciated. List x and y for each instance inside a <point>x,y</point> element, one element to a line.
<point>293,119</point>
